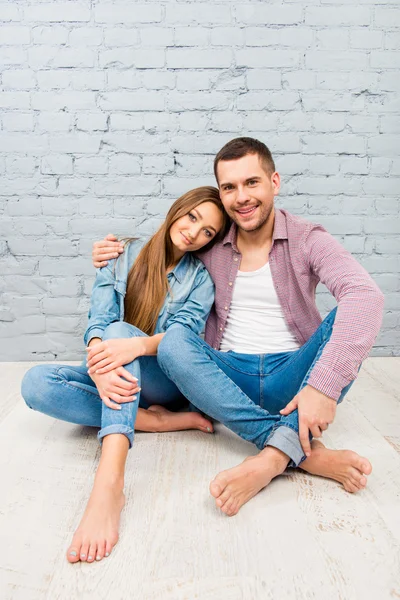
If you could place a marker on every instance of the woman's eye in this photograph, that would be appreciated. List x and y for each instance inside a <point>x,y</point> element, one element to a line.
<point>208,233</point>
<point>192,217</point>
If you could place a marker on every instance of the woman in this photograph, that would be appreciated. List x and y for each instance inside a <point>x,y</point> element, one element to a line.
<point>135,299</point>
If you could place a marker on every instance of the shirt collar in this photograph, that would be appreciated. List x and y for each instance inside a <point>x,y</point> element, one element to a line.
<point>279,233</point>
<point>179,271</point>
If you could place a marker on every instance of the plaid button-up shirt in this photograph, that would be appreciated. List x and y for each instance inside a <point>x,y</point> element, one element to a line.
<point>302,255</point>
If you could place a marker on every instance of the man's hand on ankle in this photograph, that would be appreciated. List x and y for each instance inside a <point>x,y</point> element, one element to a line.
<point>316,412</point>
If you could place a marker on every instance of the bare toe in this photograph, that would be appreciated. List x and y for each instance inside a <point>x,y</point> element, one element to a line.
<point>216,488</point>
<point>92,552</point>
<point>73,554</point>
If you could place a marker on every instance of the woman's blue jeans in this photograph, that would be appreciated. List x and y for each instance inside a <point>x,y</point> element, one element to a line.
<point>245,392</point>
<point>68,393</point>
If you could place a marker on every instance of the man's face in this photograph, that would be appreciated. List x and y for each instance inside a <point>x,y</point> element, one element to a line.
<point>247,191</point>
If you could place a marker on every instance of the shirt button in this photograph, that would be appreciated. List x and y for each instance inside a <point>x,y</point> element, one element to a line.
<point>230,283</point>
<point>235,259</point>
<point>221,328</point>
<point>215,348</point>
<point>226,308</point>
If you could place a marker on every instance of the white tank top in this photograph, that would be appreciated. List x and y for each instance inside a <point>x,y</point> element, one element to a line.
<point>255,323</point>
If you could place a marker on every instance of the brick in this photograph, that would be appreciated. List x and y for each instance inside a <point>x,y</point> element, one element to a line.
<point>26,247</point>
<point>19,79</point>
<point>252,57</point>
<point>146,143</point>
<point>332,38</point>
<point>115,12</point>
<point>292,37</point>
<point>392,41</point>
<point>378,225</point>
<point>117,186</point>
<point>121,36</point>
<point>387,206</point>
<point>193,121</point>
<point>387,17</point>
<point>272,101</point>
<point>57,12</point>
<point>85,36</point>
<point>323,100</point>
<point>158,80</point>
<point>177,101</point>
<point>15,36</point>
<point>13,56</point>
<point>227,36</point>
<point>14,100</point>
<point>80,143</point>
<point>18,121</point>
<point>193,80</point>
<point>366,38</point>
<point>178,58</point>
<point>132,58</point>
<point>54,121</point>
<point>93,205</point>
<point>362,124</point>
<point>263,14</point>
<point>91,165</point>
<point>324,165</point>
<point>331,16</point>
<point>346,61</point>
<point>124,164</point>
<point>156,36</point>
<point>381,166</point>
<point>384,59</point>
<point>385,144</point>
<point>56,165</point>
<point>74,186</point>
<point>297,80</point>
<point>192,36</point>
<point>122,122</point>
<point>56,247</point>
<point>349,144</point>
<point>193,165</point>
<point>52,206</point>
<point>193,14</point>
<point>92,122</point>
<point>353,165</point>
<point>328,122</point>
<point>225,121</point>
<point>9,12</point>
<point>63,324</point>
<point>158,165</point>
<point>131,101</point>
<point>51,34</point>
<point>124,79</point>
<point>20,164</point>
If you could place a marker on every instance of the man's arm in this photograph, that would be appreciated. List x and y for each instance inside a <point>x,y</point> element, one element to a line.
<point>106,250</point>
<point>359,313</point>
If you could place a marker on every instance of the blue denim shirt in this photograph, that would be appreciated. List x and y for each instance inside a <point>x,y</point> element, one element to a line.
<point>189,303</point>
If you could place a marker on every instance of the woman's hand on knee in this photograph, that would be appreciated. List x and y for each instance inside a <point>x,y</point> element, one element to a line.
<point>110,354</point>
<point>116,387</point>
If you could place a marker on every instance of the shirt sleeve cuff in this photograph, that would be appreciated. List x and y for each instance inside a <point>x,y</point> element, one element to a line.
<point>94,332</point>
<point>327,381</point>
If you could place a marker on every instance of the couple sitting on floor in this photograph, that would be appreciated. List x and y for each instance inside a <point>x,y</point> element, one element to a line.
<point>269,369</point>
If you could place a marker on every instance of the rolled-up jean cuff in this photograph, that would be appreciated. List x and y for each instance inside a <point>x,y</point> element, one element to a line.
<point>122,429</point>
<point>287,441</point>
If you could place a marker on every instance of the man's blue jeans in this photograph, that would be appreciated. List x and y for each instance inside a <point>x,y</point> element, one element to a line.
<point>245,392</point>
<point>68,393</point>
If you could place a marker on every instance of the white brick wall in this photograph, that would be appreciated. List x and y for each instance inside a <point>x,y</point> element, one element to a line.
<point>109,110</point>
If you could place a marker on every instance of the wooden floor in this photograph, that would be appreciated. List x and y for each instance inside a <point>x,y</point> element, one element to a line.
<point>302,537</point>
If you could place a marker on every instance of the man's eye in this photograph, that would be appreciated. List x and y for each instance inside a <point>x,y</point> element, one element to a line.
<point>252,181</point>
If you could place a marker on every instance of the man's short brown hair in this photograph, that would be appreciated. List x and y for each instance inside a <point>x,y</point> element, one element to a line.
<point>242,146</point>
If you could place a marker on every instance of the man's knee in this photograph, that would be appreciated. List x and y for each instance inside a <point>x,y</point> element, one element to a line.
<point>121,329</point>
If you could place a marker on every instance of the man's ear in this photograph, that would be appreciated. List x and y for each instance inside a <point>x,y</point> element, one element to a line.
<point>276,182</point>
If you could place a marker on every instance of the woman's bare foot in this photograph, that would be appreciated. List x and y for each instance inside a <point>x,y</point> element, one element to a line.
<point>234,487</point>
<point>345,466</point>
<point>97,533</point>
<point>178,421</point>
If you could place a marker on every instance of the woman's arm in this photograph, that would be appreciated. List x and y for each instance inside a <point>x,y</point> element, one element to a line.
<point>104,304</point>
<point>110,354</point>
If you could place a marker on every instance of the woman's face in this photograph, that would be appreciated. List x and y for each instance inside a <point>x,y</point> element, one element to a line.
<point>194,230</point>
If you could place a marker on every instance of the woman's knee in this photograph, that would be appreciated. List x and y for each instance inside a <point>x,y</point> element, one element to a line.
<point>121,329</point>
<point>34,385</point>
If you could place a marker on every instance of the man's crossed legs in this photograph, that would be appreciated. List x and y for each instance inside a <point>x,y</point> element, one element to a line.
<point>245,393</point>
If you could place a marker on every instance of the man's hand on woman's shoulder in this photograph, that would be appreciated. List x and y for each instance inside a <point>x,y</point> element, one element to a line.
<point>106,250</point>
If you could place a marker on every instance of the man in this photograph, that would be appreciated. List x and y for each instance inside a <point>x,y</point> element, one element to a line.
<point>268,368</point>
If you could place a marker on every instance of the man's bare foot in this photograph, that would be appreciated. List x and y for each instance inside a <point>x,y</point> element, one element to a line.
<point>178,421</point>
<point>234,487</point>
<point>345,466</point>
<point>97,533</point>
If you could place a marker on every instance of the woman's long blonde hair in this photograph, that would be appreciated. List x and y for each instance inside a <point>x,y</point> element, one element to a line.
<point>147,283</point>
